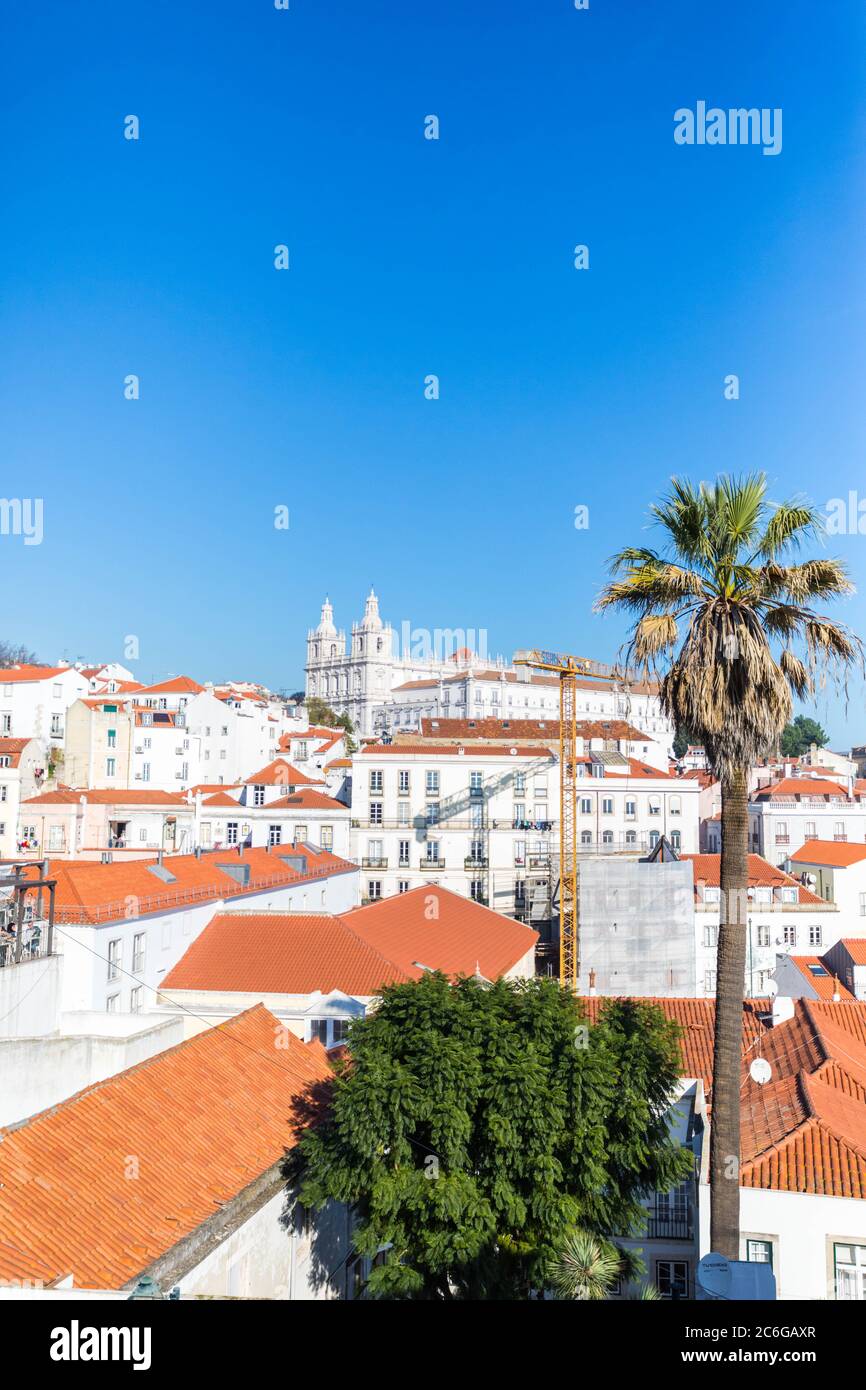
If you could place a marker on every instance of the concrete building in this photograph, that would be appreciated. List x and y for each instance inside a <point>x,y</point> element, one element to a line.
<point>483,819</point>
<point>387,682</point>
<point>788,812</point>
<point>34,701</point>
<point>22,772</point>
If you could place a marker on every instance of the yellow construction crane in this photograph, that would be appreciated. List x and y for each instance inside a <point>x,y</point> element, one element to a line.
<point>568,669</point>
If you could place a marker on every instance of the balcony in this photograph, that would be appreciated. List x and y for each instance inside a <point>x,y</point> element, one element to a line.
<point>840,837</point>
<point>366,901</point>
<point>370,863</point>
<point>481,898</point>
<point>432,864</point>
<point>783,839</point>
<point>669,1228</point>
<point>473,862</point>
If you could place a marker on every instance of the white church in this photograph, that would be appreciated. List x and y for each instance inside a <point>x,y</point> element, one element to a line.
<point>386,684</point>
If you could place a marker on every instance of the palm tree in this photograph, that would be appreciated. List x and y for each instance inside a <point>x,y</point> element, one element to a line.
<point>585,1268</point>
<point>720,609</point>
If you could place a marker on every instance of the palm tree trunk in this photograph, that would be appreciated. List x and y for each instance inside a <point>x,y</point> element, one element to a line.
<point>728,1058</point>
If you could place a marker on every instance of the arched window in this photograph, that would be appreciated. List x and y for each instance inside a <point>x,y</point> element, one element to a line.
<point>586,837</point>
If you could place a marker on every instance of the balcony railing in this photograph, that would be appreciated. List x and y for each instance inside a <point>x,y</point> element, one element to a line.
<point>669,1228</point>
<point>432,864</point>
<point>783,839</point>
<point>473,861</point>
<point>374,863</point>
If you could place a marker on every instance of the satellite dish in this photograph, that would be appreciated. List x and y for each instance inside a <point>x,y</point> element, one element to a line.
<point>760,1071</point>
<point>714,1275</point>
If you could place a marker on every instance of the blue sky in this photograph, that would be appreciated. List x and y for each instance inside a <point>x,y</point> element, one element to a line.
<point>305,388</point>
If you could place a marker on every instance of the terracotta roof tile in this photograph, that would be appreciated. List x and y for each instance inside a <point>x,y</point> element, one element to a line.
<point>356,952</point>
<point>834,853</point>
<point>203,1120</point>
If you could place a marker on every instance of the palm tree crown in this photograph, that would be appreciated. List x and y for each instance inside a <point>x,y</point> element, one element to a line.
<point>725,589</point>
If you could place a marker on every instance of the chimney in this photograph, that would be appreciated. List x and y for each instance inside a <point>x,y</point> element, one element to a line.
<point>592,982</point>
<point>198,851</point>
<point>159,856</point>
<point>783,1009</point>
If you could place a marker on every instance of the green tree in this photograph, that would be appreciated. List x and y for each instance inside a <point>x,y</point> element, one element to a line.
<point>720,608</point>
<point>799,735</point>
<point>684,738</point>
<point>474,1126</point>
<point>319,712</point>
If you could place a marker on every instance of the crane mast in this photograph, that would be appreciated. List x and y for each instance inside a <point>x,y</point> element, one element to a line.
<point>568,668</point>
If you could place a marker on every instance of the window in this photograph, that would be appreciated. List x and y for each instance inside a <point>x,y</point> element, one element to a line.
<point>630,810</point>
<point>759,1252</point>
<point>789,934</point>
<point>204,833</point>
<point>631,837</point>
<point>109,767</point>
<point>319,1030</point>
<point>432,812</point>
<point>403,853</point>
<point>655,805</point>
<point>135,1000</point>
<point>114,959</point>
<point>586,837</point>
<point>224,731</point>
<point>58,691</point>
<point>431,783</point>
<point>607,806</point>
<point>763,934</point>
<point>672,1278</point>
<point>374,852</point>
<point>374,889</point>
<point>709,982</point>
<point>815,936</point>
<point>326,837</point>
<point>231,832</point>
<point>403,783</point>
<point>863,904</point>
<point>339,1030</point>
<point>112,1004</point>
<point>275,834</point>
<point>112,738</point>
<point>402,885</point>
<point>654,837</point>
<point>675,839</point>
<point>675,805</point>
<point>145,772</point>
<point>520,810</point>
<point>376,782</point>
<point>402,813</point>
<point>519,783</point>
<point>586,806</point>
<point>147,743</point>
<point>57,725</point>
<point>810,830</point>
<point>433,851</point>
<point>300,834</point>
<point>475,783</point>
<point>258,796</point>
<point>849,1265</point>
<point>711,935</point>
<point>6,724</point>
<point>375,812</point>
<point>607,837</point>
<point>139,944</point>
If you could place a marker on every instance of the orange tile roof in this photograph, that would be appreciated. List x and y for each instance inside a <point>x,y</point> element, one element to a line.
<point>696,1018</point>
<point>307,800</point>
<point>222,798</point>
<point>825,983</point>
<point>177,685</point>
<point>203,1120</point>
<point>281,773</point>
<point>12,748</point>
<point>800,786</point>
<point>108,796</point>
<point>282,953</point>
<point>88,891</point>
<point>511,729</point>
<point>440,750</point>
<point>856,948</point>
<point>836,854</point>
<point>9,675</point>
<point>356,952</point>
<point>707,871</point>
<point>338,762</point>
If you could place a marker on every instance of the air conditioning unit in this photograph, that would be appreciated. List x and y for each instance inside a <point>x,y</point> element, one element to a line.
<point>138,777</point>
